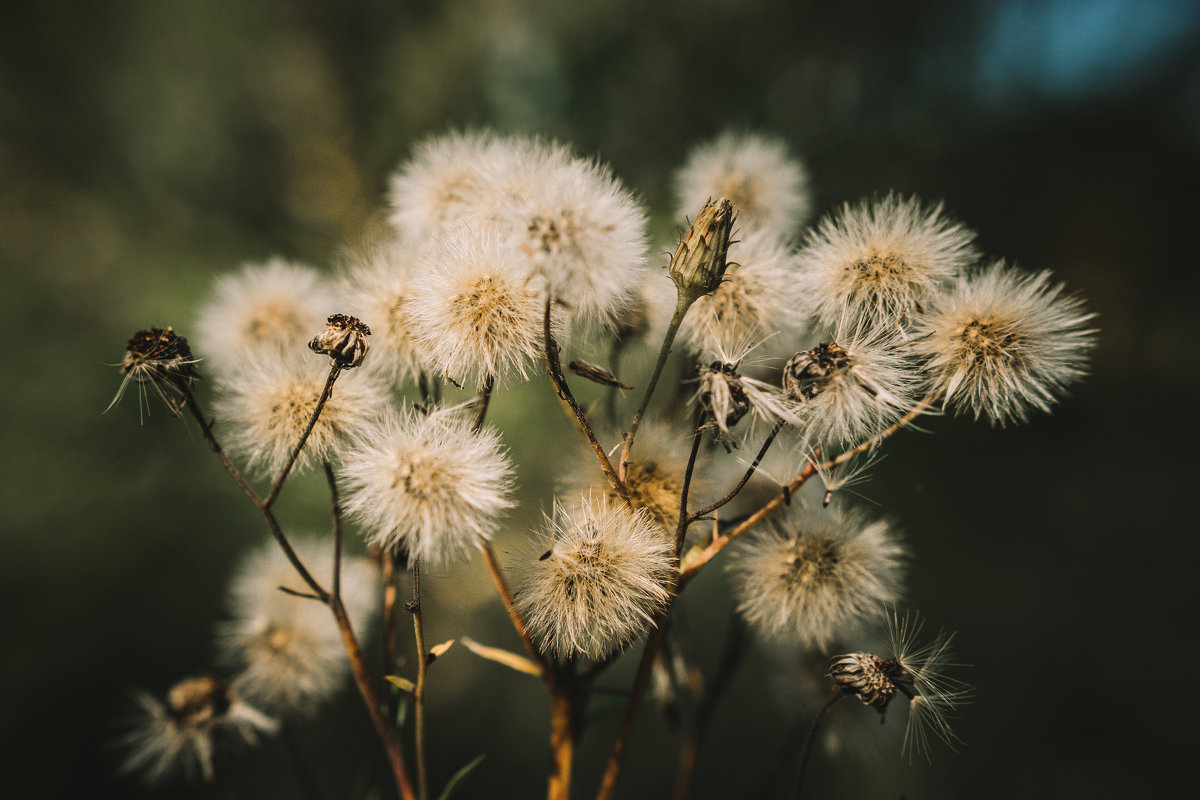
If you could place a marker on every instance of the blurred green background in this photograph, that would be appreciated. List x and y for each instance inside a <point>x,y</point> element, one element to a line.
<point>147,146</point>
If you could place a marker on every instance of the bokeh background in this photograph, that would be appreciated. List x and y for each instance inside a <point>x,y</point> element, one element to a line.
<point>146,147</point>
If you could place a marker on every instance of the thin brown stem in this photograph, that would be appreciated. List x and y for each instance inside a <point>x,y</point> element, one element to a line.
<point>704,512</point>
<point>335,582</point>
<point>563,709</point>
<point>810,738</point>
<point>685,519</point>
<point>387,574</point>
<point>482,401</point>
<point>554,370</point>
<point>334,371</point>
<point>609,782</point>
<point>489,556</point>
<point>414,606</point>
<point>682,304</point>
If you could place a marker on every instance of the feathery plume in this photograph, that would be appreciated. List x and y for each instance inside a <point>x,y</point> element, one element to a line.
<point>439,185</point>
<point>262,308</point>
<point>427,483</point>
<point>1003,342</point>
<point>727,396</point>
<point>159,359</point>
<point>767,186</point>
<point>182,735</point>
<point>601,582</point>
<point>880,261</point>
<point>817,575</point>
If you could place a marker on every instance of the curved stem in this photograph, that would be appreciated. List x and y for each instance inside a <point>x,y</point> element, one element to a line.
<point>762,452</point>
<point>810,738</point>
<point>682,304</point>
<point>334,371</point>
<point>489,556</point>
<point>422,673</point>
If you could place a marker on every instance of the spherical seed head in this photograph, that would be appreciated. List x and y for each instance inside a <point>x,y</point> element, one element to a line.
<point>1001,343</point>
<point>182,736</point>
<point>811,576</point>
<point>699,262</point>
<point>287,650</point>
<point>756,300</point>
<point>767,186</point>
<point>262,308</point>
<point>878,262</point>
<point>439,185</point>
<point>601,582</point>
<point>264,407</point>
<point>428,483</point>
<point>475,312</point>
<point>579,230</point>
<point>375,288</point>
<point>344,340</point>
<point>851,388</point>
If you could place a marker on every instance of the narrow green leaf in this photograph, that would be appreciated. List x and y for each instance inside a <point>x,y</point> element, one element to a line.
<point>460,776</point>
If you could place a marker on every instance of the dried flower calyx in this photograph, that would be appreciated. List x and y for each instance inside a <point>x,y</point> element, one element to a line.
<point>805,374</point>
<point>344,340</point>
<point>699,262</point>
<point>871,679</point>
<point>158,354</point>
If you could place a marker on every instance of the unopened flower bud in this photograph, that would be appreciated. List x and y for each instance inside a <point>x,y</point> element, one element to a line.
<point>699,262</point>
<point>344,340</point>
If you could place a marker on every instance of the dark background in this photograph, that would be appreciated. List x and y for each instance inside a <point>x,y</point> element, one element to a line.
<point>147,146</point>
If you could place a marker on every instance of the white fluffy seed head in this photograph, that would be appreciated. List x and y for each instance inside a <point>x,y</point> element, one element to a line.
<point>375,288</point>
<point>181,737</point>
<point>879,261</point>
<point>853,387</point>
<point>440,184</point>
<point>427,483</point>
<point>261,309</point>
<point>756,302</point>
<point>1002,342</point>
<point>264,406</point>
<point>767,186</point>
<point>578,229</point>
<point>287,650</point>
<point>475,311</point>
<point>600,583</point>
<point>815,575</point>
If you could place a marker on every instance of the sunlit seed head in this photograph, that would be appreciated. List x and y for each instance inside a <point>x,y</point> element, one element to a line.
<point>853,387</point>
<point>767,186</point>
<point>287,651</point>
<point>440,184</point>
<point>600,583</point>
<point>157,360</point>
<point>181,737</point>
<point>375,288</point>
<point>1001,343</point>
<point>428,483</point>
<point>264,407</point>
<point>879,261</point>
<point>756,302</point>
<point>813,576</point>
<point>262,308</point>
<point>475,312</point>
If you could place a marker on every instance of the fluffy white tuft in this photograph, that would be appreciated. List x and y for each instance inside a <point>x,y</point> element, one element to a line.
<point>880,261</point>
<point>262,308</point>
<point>815,575</point>
<point>767,186</point>
<point>1003,342</point>
<point>427,483</point>
<point>440,184</point>
<point>601,582</point>
<point>264,406</point>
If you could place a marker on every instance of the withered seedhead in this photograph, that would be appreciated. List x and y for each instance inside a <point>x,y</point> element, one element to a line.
<point>873,680</point>
<point>196,701</point>
<point>344,340</point>
<point>807,373</point>
<point>157,354</point>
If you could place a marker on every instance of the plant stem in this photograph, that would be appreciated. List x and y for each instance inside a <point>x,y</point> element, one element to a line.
<point>640,682</point>
<point>682,304</point>
<point>335,584</point>
<point>514,615</point>
<point>704,512</point>
<point>562,737</point>
<point>334,371</point>
<point>810,738</point>
<point>422,673</point>
<point>482,401</point>
<point>554,370</point>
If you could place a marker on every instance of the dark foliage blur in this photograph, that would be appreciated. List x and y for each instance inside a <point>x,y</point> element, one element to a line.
<point>146,146</point>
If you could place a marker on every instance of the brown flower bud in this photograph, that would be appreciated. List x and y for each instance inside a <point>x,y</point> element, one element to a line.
<point>699,262</point>
<point>344,340</point>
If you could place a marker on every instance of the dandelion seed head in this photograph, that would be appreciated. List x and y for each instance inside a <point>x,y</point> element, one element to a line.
<point>427,483</point>
<point>440,184</point>
<point>376,289</point>
<point>475,312</point>
<point>181,736</point>
<point>262,308</point>
<point>1002,343</point>
<point>879,261</point>
<point>601,582</point>
<point>813,575</point>
<point>766,184</point>
<point>264,406</point>
<point>287,650</point>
